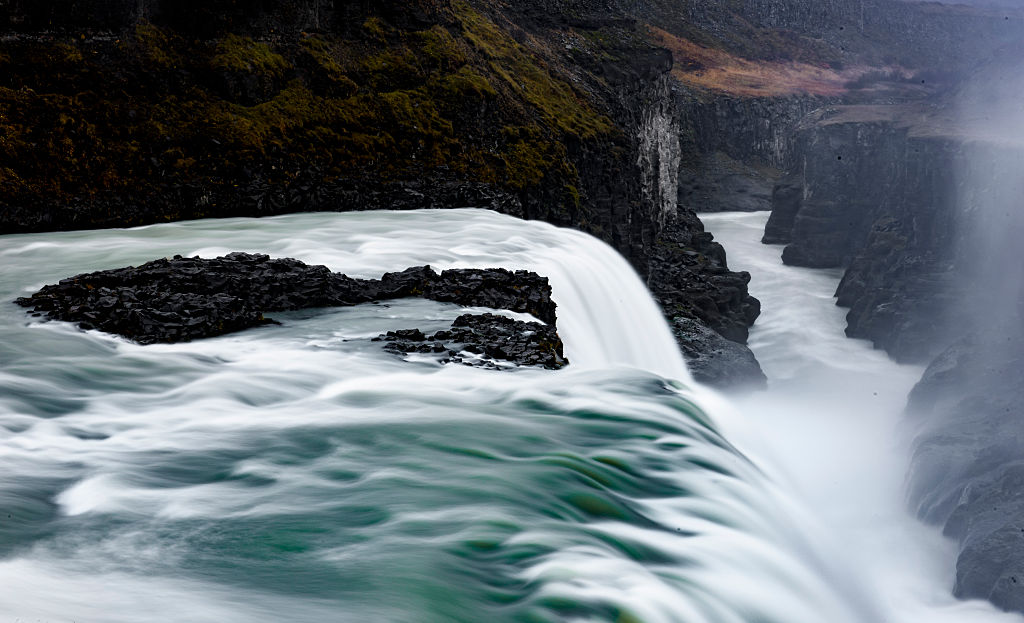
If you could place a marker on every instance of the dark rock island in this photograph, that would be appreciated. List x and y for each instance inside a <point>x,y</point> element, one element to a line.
<point>182,299</point>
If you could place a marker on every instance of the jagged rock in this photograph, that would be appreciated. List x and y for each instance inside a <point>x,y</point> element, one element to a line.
<point>491,288</point>
<point>690,277</point>
<point>707,305</point>
<point>714,360</point>
<point>967,474</point>
<point>181,299</point>
<point>490,336</point>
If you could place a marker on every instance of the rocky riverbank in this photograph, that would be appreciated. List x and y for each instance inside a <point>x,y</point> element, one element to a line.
<point>968,476</point>
<point>919,202</point>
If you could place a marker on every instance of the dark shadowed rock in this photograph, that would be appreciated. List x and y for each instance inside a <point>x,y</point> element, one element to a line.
<point>490,336</point>
<point>785,203</point>
<point>690,277</point>
<point>707,305</point>
<point>181,299</point>
<point>519,291</point>
<point>968,470</point>
<point>714,360</point>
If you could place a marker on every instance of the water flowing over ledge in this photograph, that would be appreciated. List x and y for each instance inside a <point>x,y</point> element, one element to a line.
<point>297,472</point>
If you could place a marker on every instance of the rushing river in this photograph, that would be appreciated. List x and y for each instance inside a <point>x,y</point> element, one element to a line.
<point>300,473</point>
<point>829,428</point>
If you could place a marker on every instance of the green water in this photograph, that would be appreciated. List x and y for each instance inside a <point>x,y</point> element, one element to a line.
<point>299,473</point>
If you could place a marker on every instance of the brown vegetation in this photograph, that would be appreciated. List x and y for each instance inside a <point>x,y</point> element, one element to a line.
<point>714,69</point>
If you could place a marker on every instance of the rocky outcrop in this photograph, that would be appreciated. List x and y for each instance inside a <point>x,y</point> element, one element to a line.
<point>484,340</point>
<point>689,278</point>
<point>715,360</point>
<point>967,473</point>
<point>707,305</point>
<point>182,299</point>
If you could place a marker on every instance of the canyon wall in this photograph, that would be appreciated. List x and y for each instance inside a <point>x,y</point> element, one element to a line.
<point>921,204</point>
<point>122,113</point>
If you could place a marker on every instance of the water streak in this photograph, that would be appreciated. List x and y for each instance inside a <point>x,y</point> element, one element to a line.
<point>299,472</point>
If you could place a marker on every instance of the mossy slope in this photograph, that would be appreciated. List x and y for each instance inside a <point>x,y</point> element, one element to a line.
<point>178,127</point>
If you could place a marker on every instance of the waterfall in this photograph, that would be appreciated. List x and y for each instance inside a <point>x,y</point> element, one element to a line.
<point>660,154</point>
<point>300,472</point>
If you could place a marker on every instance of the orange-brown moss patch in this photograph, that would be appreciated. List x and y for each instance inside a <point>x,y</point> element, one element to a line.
<point>717,70</point>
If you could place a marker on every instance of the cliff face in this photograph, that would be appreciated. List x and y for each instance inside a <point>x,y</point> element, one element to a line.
<point>898,198</point>
<point>737,148</point>
<point>967,473</point>
<point>921,204</point>
<point>130,112</point>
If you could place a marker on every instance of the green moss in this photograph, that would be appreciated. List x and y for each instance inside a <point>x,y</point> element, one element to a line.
<point>414,110</point>
<point>529,159</point>
<point>440,48</point>
<point>325,58</point>
<point>321,52</point>
<point>242,54</point>
<point>573,195</point>
<point>524,74</point>
<point>465,85</point>
<point>67,53</point>
<point>376,28</point>
<point>156,46</point>
<point>393,68</point>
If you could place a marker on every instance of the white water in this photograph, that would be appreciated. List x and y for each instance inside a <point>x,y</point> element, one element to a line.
<point>299,473</point>
<point>830,426</point>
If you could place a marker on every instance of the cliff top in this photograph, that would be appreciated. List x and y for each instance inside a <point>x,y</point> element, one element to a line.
<point>924,120</point>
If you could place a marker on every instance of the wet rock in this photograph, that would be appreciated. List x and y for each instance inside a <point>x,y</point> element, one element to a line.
<point>182,299</point>
<point>519,291</point>
<point>690,277</point>
<point>716,361</point>
<point>707,305</point>
<point>967,474</point>
<point>491,337</point>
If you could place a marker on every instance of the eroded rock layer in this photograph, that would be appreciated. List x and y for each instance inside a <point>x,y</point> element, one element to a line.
<point>182,299</point>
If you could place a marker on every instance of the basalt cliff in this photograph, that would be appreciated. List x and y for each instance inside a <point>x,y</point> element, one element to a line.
<point>919,199</point>
<point>124,113</point>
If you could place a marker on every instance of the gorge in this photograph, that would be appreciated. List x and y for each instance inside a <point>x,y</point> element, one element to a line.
<point>884,136</point>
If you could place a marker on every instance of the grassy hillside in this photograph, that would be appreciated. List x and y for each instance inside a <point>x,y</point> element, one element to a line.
<point>107,120</point>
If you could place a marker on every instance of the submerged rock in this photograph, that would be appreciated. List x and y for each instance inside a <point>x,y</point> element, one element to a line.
<point>484,340</point>
<point>182,299</point>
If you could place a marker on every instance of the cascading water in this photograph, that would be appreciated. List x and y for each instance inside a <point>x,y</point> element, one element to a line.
<point>300,473</point>
<point>830,426</point>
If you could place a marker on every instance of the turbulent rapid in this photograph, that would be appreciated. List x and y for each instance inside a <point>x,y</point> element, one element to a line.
<point>300,473</point>
<point>830,428</point>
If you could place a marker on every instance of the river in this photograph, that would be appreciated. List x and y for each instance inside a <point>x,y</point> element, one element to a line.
<point>300,473</point>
